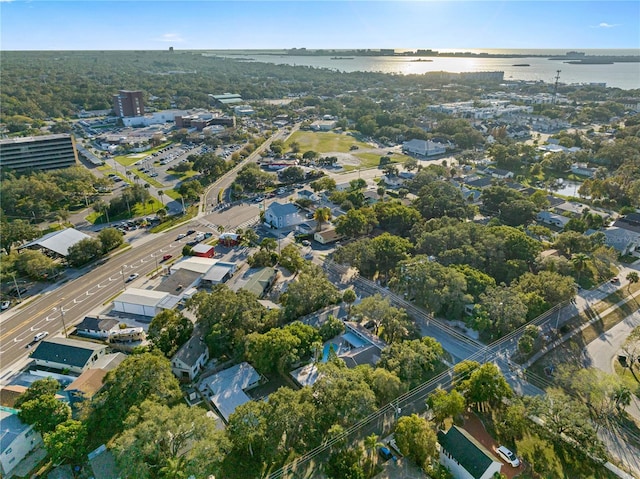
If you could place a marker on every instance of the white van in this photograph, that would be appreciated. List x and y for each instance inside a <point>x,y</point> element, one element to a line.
<point>40,336</point>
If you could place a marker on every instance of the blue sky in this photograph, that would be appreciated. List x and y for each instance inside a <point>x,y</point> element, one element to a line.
<point>211,24</point>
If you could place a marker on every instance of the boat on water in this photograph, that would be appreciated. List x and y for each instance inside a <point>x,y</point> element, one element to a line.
<point>342,58</point>
<point>421,60</point>
<point>521,65</point>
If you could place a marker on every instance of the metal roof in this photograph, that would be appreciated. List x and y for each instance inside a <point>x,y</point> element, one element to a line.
<point>58,241</point>
<point>228,387</point>
<point>143,297</point>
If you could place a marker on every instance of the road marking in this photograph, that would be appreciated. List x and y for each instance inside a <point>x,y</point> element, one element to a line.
<point>28,320</point>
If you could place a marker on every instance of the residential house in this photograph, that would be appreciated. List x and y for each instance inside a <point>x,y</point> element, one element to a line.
<point>227,389</point>
<point>86,385</point>
<point>498,173</point>
<point>583,169</point>
<point>424,148</point>
<point>326,236</point>
<point>190,359</point>
<point>17,439</point>
<point>465,457</point>
<point>554,219</point>
<point>308,195</point>
<point>624,234</point>
<point>280,215</point>
<point>67,354</point>
<point>96,327</point>
<point>261,281</point>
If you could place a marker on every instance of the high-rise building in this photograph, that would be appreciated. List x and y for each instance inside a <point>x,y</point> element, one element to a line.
<point>49,152</point>
<point>128,103</point>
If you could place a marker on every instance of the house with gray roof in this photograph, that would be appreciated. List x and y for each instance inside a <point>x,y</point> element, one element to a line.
<point>57,243</point>
<point>226,389</point>
<point>283,215</point>
<point>190,359</point>
<point>465,457</point>
<point>97,327</point>
<point>67,354</point>
<point>17,439</point>
<point>554,219</point>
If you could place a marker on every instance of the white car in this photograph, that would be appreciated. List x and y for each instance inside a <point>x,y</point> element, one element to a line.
<point>508,456</point>
<point>132,276</point>
<point>40,336</point>
<point>181,235</point>
<point>5,305</point>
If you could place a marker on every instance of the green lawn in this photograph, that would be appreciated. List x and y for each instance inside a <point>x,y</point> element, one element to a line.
<point>324,142</point>
<point>138,209</point>
<point>170,223</point>
<point>173,194</point>
<point>130,159</point>
<point>147,178</point>
<point>183,175</point>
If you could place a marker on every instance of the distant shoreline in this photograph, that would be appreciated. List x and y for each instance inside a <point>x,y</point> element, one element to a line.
<point>573,57</point>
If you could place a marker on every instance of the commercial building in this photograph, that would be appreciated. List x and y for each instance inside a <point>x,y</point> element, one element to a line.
<point>423,148</point>
<point>202,120</point>
<point>48,152</point>
<point>128,103</point>
<point>144,302</point>
<point>57,243</point>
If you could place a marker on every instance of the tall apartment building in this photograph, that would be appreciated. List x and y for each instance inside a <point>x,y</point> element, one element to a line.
<point>49,152</point>
<point>128,103</point>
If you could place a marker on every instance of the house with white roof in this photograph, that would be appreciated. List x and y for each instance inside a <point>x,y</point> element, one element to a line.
<point>554,219</point>
<point>17,439</point>
<point>280,215</point>
<point>227,388</point>
<point>144,302</point>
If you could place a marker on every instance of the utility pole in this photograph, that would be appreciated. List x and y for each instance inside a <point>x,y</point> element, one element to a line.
<point>555,87</point>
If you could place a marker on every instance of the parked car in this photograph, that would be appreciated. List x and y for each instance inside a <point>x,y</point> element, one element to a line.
<point>615,280</point>
<point>5,305</point>
<point>508,456</point>
<point>306,243</point>
<point>208,235</point>
<point>132,276</point>
<point>190,232</point>
<point>40,336</point>
<point>167,257</point>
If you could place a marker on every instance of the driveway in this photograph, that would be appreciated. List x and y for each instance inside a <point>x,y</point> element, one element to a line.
<point>474,426</point>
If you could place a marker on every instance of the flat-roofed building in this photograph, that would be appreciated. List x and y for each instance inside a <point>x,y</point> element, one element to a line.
<point>48,152</point>
<point>144,302</point>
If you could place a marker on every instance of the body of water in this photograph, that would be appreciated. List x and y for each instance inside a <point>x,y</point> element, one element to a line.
<point>620,75</point>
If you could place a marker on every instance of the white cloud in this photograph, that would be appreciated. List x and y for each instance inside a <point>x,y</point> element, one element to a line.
<point>170,38</point>
<point>606,25</point>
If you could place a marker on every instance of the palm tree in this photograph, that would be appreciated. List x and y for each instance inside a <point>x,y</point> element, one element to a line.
<point>321,215</point>
<point>371,443</point>
<point>579,262</point>
<point>381,191</point>
<point>161,194</point>
<point>632,278</point>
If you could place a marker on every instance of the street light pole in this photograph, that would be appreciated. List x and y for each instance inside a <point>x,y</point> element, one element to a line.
<point>64,326</point>
<point>15,283</point>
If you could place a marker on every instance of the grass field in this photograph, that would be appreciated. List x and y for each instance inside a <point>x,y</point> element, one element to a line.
<point>324,142</point>
<point>138,209</point>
